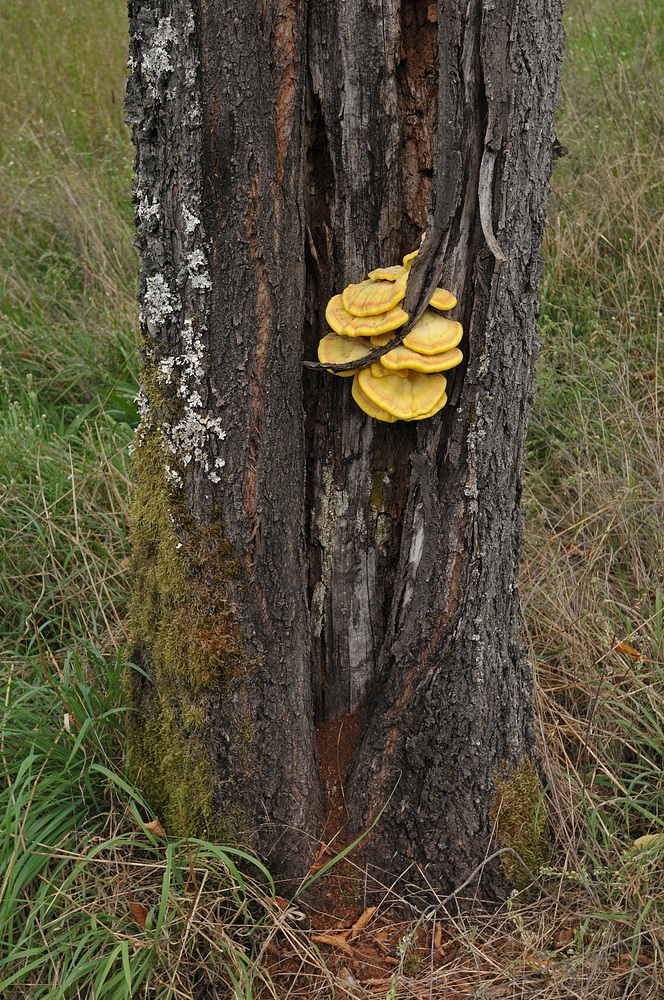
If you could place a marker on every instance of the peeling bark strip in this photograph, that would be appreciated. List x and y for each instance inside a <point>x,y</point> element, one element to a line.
<point>337,565</point>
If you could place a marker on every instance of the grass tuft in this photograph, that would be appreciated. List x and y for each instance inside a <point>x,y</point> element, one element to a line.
<point>94,899</point>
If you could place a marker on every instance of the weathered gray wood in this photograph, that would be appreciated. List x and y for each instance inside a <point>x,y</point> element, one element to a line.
<point>362,567</point>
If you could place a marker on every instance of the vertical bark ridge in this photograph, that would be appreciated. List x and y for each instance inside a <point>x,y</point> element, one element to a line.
<point>254,78</point>
<point>450,708</point>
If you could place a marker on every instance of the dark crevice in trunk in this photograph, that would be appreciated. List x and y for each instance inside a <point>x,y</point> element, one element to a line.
<point>417,95</point>
<point>319,194</point>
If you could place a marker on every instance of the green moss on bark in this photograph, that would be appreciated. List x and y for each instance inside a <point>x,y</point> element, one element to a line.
<point>186,640</point>
<point>520,818</point>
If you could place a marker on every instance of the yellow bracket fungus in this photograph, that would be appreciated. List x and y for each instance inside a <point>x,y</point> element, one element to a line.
<point>336,350</point>
<point>387,273</point>
<point>404,383</point>
<point>347,325</point>
<point>370,298</point>
<point>406,395</point>
<point>433,334</point>
<point>402,357</point>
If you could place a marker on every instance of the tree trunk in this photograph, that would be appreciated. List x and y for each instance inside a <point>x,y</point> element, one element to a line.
<point>296,561</point>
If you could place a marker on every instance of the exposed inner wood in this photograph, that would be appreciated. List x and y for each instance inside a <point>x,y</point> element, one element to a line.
<point>417,78</point>
<point>368,188</point>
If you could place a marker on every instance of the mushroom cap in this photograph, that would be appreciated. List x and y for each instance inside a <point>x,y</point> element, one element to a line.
<point>434,409</point>
<point>336,350</point>
<point>409,258</point>
<point>381,339</point>
<point>369,406</point>
<point>433,334</point>
<point>386,273</point>
<point>368,298</point>
<point>402,358</point>
<point>347,325</point>
<point>442,299</point>
<point>406,395</point>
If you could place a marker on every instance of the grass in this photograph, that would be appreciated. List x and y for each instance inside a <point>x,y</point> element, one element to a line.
<point>94,901</point>
<point>67,320</point>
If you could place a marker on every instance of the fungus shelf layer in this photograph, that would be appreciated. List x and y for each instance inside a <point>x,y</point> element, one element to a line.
<point>406,383</point>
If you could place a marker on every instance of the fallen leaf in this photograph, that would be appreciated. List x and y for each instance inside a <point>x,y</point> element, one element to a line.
<point>322,849</point>
<point>564,937</point>
<point>577,550</point>
<point>622,647</point>
<point>154,826</point>
<point>346,976</point>
<point>627,962</point>
<point>281,902</point>
<point>447,952</point>
<point>648,840</point>
<point>323,855</point>
<point>533,961</point>
<point>334,941</point>
<point>362,921</point>
<point>139,913</point>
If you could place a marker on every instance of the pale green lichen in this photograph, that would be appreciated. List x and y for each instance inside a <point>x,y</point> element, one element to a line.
<point>520,819</point>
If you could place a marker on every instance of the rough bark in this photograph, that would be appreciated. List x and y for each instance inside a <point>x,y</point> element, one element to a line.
<point>218,133</point>
<point>451,706</point>
<point>349,566</point>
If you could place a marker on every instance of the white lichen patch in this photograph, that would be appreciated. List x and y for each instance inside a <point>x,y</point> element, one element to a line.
<point>157,302</point>
<point>142,404</point>
<point>190,438</point>
<point>148,210</point>
<point>197,268</point>
<point>177,366</point>
<point>173,477</point>
<point>191,220</point>
<point>165,370</point>
<point>156,58</point>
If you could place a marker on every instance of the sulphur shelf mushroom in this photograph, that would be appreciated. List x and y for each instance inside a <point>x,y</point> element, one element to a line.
<point>336,350</point>
<point>347,325</point>
<point>405,383</point>
<point>406,395</point>
<point>370,298</point>
<point>403,358</point>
